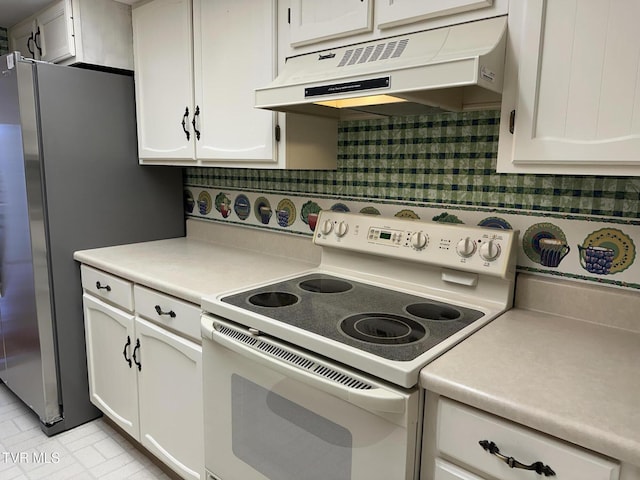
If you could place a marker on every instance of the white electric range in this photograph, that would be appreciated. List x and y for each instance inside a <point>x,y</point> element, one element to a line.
<point>319,371</point>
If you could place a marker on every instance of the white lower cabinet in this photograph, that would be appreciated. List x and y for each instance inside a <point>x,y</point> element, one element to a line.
<point>170,398</point>
<point>145,374</point>
<point>470,444</point>
<point>113,383</point>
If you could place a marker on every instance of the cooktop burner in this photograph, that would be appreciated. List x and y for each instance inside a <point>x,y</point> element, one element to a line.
<point>273,299</point>
<point>391,324</point>
<point>325,285</point>
<point>383,328</point>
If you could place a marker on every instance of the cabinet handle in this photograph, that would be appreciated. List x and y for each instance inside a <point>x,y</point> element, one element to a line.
<point>539,467</point>
<point>196,114</point>
<point>124,351</point>
<point>35,41</point>
<point>159,311</point>
<point>29,40</point>
<point>135,358</point>
<point>512,121</point>
<point>103,287</point>
<point>185,119</point>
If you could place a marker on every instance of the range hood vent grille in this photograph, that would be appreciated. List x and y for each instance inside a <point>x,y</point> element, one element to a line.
<point>373,53</point>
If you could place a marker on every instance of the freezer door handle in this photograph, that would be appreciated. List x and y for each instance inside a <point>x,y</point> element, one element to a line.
<point>374,399</point>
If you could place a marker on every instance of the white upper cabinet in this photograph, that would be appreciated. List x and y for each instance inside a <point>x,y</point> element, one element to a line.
<point>314,25</point>
<point>48,35</point>
<point>571,99</point>
<point>312,21</point>
<point>391,13</point>
<point>195,89</point>
<point>164,79</point>
<point>68,32</point>
<point>234,45</point>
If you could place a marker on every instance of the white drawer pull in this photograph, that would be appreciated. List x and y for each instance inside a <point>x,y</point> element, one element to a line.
<point>539,467</point>
<point>159,311</point>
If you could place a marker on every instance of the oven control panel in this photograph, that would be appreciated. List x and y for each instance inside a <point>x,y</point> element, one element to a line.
<point>461,247</point>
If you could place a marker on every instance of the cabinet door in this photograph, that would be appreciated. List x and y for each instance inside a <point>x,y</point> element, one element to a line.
<point>312,21</point>
<point>170,395</point>
<point>112,377</point>
<point>391,13</point>
<point>21,38</point>
<point>163,62</point>
<point>572,84</point>
<point>234,48</point>
<point>54,37</point>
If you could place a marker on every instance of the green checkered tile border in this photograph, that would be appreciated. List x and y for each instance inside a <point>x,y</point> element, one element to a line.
<point>447,159</point>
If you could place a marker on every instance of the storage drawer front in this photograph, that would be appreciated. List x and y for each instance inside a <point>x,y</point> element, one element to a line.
<point>447,471</point>
<point>460,428</point>
<point>108,287</point>
<point>182,317</point>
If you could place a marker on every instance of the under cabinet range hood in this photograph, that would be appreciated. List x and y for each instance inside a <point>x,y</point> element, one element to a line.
<point>454,68</point>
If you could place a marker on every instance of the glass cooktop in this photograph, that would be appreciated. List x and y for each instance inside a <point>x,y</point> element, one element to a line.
<point>391,324</point>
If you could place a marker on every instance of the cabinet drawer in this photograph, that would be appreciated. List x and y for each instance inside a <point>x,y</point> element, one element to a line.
<point>461,428</point>
<point>181,317</point>
<point>108,287</point>
<point>447,471</point>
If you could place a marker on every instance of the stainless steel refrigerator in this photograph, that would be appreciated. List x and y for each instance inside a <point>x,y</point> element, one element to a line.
<point>69,180</point>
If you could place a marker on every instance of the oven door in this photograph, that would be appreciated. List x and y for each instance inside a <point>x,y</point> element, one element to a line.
<point>276,412</point>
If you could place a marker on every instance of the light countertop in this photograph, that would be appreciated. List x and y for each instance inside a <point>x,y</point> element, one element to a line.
<point>573,379</point>
<point>211,259</point>
<point>565,361</point>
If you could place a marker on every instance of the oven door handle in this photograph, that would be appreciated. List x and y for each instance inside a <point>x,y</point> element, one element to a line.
<point>374,399</point>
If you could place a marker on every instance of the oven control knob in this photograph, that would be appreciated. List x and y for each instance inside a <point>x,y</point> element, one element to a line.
<point>341,229</point>
<point>466,247</point>
<point>327,226</point>
<point>490,250</point>
<point>419,240</point>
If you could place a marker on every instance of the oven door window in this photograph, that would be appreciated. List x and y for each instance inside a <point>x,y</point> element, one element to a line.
<point>283,440</point>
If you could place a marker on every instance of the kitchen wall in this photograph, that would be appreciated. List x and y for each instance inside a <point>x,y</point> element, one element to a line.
<point>442,168</point>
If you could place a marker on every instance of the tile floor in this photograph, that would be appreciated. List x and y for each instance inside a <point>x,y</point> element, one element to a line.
<point>91,451</point>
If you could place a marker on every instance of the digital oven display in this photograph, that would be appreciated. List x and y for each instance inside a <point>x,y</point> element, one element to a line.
<point>385,235</point>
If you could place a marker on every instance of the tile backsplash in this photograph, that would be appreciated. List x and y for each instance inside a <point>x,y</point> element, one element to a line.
<point>442,168</point>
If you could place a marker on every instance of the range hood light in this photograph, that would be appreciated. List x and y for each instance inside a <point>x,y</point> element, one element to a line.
<point>361,101</point>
